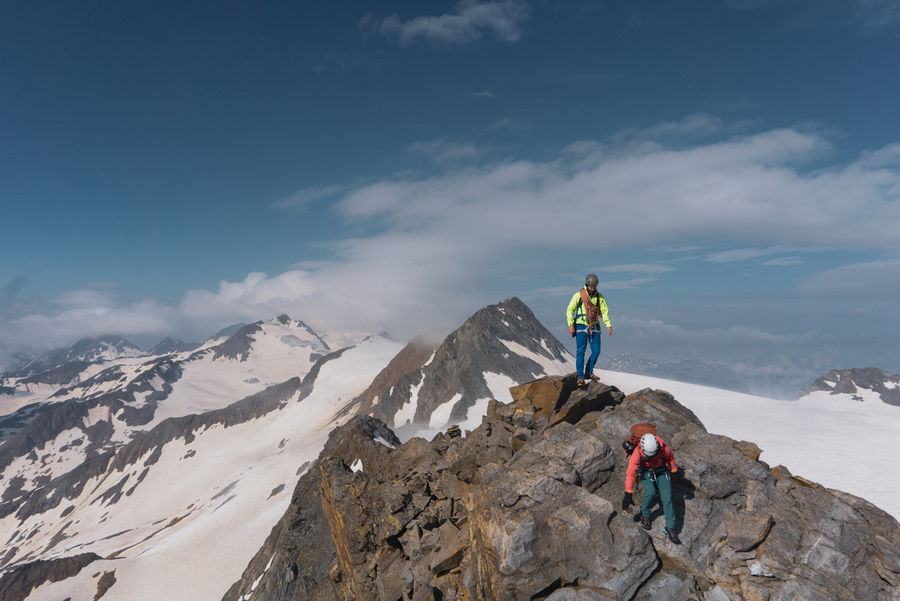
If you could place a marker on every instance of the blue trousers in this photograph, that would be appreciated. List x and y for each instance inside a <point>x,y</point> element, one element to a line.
<point>582,338</point>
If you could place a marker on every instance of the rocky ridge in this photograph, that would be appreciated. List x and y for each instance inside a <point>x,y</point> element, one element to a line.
<point>528,506</point>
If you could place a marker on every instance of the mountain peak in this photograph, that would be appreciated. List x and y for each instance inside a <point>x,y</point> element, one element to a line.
<point>429,385</point>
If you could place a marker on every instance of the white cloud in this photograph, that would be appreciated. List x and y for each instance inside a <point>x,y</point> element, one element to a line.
<point>742,189</point>
<point>468,24</point>
<point>655,329</point>
<point>876,280</point>
<point>300,199</point>
<point>638,268</point>
<point>624,285</point>
<point>447,152</point>
<point>877,16</point>
<point>739,254</point>
<point>784,262</point>
<point>700,124</point>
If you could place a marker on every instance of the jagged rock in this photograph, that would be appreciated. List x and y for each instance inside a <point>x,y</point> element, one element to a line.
<point>540,397</point>
<point>514,511</point>
<point>594,397</point>
<point>748,449</point>
<point>747,529</point>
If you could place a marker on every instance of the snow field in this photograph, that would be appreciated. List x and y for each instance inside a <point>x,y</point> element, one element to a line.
<point>223,478</point>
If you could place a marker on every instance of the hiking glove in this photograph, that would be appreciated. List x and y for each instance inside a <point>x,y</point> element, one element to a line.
<point>627,501</point>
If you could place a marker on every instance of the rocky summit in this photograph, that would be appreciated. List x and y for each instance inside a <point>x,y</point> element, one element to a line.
<point>528,506</point>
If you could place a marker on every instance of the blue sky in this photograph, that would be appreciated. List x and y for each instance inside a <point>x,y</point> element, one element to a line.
<point>730,170</point>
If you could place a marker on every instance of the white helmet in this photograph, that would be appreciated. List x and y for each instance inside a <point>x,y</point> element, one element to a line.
<point>649,446</point>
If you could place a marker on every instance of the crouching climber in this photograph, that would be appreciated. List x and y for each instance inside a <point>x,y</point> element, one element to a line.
<point>655,462</point>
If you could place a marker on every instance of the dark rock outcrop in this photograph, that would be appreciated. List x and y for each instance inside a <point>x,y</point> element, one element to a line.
<point>17,584</point>
<point>849,381</point>
<point>239,345</point>
<point>528,506</point>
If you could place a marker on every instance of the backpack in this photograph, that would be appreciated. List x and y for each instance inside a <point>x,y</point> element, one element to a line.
<point>637,430</point>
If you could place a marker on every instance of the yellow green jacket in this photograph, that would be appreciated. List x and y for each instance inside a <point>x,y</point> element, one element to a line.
<point>575,314</point>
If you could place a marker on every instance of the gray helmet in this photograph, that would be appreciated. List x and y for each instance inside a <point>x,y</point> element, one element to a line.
<point>591,280</point>
<point>649,445</point>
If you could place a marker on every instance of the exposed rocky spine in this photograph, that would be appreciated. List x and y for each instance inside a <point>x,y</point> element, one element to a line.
<point>527,506</point>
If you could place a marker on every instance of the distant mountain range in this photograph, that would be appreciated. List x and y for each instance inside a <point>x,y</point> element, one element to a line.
<point>858,384</point>
<point>691,371</point>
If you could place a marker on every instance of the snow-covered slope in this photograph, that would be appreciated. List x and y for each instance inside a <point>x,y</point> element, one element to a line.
<point>210,377</point>
<point>53,429</point>
<point>178,512</point>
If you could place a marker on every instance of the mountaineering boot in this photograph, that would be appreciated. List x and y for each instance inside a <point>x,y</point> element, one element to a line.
<point>673,538</point>
<point>645,523</point>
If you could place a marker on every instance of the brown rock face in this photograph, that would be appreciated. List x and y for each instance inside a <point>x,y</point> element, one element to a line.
<point>528,506</point>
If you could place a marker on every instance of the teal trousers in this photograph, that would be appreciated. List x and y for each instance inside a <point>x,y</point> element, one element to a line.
<point>654,481</point>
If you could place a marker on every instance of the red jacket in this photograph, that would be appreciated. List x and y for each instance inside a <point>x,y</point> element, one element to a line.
<point>663,456</point>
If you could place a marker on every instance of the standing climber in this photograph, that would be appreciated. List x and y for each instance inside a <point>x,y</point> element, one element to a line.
<point>583,315</point>
<point>655,462</point>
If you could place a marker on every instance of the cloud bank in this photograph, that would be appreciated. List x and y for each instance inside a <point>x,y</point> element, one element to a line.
<point>439,243</point>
